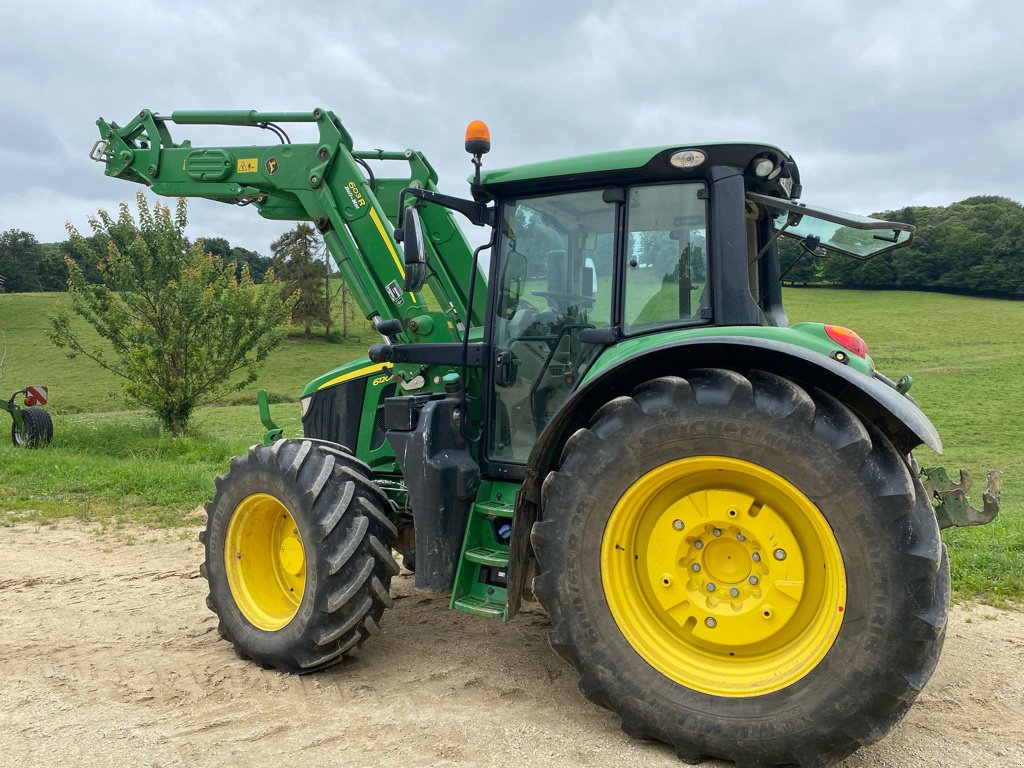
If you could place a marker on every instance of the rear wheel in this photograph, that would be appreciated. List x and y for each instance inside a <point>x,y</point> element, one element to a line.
<point>37,429</point>
<point>298,554</point>
<point>742,569</point>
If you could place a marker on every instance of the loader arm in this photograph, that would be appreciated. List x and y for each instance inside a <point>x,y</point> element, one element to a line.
<point>327,183</point>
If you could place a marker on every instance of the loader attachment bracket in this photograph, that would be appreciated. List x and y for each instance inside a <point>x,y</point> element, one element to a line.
<point>274,432</point>
<point>950,499</point>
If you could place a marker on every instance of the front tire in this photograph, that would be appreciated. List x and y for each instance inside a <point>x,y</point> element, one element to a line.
<point>742,569</point>
<point>298,554</point>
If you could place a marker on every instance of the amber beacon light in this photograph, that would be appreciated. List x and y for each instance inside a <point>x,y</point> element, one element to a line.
<point>478,138</point>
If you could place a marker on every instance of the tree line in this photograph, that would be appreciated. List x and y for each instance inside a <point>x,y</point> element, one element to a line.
<point>975,246</point>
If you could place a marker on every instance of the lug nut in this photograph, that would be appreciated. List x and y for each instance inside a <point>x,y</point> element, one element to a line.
<point>740,537</point>
<point>698,544</point>
<point>695,567</point>
<point>711,586</point>
<point>780,554</point>
<point>756,557</point>
<point>753,580</point>
<point>677,524</point>
<point>734,592</point>
<point>710,622</point>
<point>717,532</point>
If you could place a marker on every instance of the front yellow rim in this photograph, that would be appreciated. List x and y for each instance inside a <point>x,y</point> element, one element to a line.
<point>723,576</point>
<point>265,561</point>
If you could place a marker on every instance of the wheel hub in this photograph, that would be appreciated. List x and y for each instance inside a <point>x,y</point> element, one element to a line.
<point>265,562</point>
<point>291,556</point>
<point>705,566</point>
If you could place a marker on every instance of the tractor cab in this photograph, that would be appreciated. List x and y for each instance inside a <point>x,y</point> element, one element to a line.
<point>658,239</point>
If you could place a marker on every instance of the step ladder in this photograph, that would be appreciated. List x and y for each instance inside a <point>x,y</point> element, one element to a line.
<point>482,575</point>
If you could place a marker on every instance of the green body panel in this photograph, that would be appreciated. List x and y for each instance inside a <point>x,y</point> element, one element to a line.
<point>344,372</point>
<point>809,336</point>
<point>603,162</point>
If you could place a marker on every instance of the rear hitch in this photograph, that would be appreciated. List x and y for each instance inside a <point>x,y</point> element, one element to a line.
<point>950,499</point>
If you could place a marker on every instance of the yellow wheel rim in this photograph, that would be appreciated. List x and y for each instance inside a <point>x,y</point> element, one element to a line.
<point>723,576</point>
<point>265,561</point>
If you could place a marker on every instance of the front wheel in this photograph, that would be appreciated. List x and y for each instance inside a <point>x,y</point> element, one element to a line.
<point>298,554</point>
<point>742,569</point>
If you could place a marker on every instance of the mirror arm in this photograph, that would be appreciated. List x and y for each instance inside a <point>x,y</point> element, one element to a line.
<point>477,213</point>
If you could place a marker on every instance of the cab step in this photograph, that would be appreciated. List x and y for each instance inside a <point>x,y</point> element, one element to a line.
<point>479,607</point>
<point>482,575</point>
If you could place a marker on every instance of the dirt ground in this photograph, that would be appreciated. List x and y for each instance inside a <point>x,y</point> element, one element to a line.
<point>108,657</point>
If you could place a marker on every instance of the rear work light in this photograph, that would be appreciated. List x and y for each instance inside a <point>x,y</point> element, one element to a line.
<point>847,339</point>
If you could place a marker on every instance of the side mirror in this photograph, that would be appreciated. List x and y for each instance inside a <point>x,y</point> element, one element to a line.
<point>414,252</point>
<point>512,282</point>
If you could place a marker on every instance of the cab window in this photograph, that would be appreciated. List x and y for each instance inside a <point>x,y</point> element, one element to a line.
<point>666,257</point>
<point>553,280</point>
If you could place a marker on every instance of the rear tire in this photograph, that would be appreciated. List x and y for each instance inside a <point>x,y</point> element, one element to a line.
<point>298,554</point>
<point>824,652</point>
<point>38,429</point>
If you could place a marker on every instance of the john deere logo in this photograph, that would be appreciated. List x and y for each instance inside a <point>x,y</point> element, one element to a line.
<point>272,166</point>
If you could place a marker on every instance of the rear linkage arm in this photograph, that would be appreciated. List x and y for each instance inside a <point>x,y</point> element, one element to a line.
<point>950,499</point>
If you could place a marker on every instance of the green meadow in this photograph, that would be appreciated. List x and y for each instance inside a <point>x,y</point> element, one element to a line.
<point>111,465</point>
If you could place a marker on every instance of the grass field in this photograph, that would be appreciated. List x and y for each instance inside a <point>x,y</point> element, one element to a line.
<point>112,465</point>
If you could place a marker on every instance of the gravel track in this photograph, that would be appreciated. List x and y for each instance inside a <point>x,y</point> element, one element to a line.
<point>108,657</point>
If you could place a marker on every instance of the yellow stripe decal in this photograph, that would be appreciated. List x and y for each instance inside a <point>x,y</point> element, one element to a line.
<point>356,374</point>
<point>387,241</point>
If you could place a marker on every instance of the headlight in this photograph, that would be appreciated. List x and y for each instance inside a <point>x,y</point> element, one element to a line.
<point>304,404</point>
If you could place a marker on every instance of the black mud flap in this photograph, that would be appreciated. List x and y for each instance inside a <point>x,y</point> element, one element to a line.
<point>442,477</point>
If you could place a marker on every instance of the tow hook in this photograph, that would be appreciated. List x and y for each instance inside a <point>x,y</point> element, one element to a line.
<point>950,499</point>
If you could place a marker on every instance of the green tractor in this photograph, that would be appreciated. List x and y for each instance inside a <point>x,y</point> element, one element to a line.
<point>603,407</point>
<point>31,425</point>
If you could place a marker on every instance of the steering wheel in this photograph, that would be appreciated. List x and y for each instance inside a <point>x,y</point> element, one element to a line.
<point>560,301</point>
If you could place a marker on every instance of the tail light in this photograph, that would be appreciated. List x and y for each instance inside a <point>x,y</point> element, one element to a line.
<point>847,339</point>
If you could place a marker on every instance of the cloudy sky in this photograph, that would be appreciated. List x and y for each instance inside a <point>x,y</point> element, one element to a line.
<point>882,104</point>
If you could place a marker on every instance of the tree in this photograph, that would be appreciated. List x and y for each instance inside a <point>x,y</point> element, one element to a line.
<point>257,263</point>
<point>296,260</point>
<point>796,265</point>
<point>28,266</point>
<point>182,328</point>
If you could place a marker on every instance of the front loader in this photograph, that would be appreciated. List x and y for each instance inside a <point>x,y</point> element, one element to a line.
<point>609,410</point>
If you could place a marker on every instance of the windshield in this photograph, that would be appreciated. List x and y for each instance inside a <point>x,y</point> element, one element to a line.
<point>860,237</point>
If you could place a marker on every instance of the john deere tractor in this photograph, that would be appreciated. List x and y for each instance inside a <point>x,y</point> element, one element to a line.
<point>603,406</point>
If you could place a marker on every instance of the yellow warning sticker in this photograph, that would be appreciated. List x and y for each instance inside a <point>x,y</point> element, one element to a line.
<point>247,165</point>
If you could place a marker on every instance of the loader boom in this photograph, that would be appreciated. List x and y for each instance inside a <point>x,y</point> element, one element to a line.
<point>328,183</point>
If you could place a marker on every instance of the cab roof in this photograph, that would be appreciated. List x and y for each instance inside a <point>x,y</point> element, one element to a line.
<point>626,166</point>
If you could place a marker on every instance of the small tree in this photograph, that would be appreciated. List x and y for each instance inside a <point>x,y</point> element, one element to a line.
<point>296,259</point>
<point>183,329</point>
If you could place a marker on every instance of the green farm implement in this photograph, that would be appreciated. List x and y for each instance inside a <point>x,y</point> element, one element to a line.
<point>32,425</point>
<point>603,406</point>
